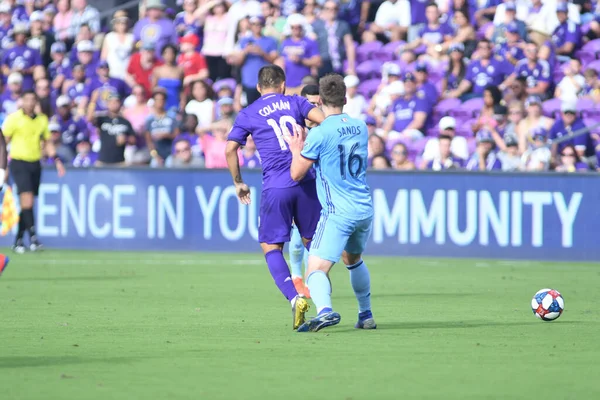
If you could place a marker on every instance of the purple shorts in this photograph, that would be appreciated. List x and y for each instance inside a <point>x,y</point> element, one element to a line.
<point>279,206</point>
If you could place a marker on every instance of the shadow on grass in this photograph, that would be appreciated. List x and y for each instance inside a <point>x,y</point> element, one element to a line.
<point>75,278</point>
<point>49,361</point>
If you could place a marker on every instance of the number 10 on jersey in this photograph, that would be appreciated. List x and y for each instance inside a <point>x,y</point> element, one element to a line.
<point>279,127</point>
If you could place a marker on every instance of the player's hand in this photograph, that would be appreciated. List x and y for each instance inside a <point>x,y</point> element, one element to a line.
<point>295,141</point>
<point>243,192</point>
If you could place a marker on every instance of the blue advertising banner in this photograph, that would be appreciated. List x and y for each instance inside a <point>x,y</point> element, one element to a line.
<point>512,216</point>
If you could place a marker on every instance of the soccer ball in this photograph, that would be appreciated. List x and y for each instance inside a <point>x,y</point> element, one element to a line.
<point>547,304</point>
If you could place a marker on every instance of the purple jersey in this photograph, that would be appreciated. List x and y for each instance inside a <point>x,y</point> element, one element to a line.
<point>429,93</point>
<point>111,85</point>
<point>183,28</point>
<point>504,50</point>
<point>539,73</point>
<point>303,48</point>
<point>8,102</point>
<point>417,11</point>
<point>72,131</point>
<point>89,69</point>
<point>22,57</point>
<point>161,33</point>
<point>491,163</point>
<point>63,68</point>
<point>567,32</point>
<point>435,35</point>
<point>404,111</point>
<point>559,130</point>
<point>6,36</point>
<point>77,91</point>
<point>19,15</point>
<point>480,76</point>
<point>263,120</point>
<point>85,160</point>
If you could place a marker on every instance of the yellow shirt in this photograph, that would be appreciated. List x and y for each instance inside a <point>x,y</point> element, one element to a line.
<point>25,135</point>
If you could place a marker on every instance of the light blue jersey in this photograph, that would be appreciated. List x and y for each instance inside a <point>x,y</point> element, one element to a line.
<point>339,148</point>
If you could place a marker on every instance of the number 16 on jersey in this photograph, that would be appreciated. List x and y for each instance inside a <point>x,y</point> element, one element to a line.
<point>350,162</point>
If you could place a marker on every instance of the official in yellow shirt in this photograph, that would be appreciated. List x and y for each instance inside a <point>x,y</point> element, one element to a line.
<point>27,132</point>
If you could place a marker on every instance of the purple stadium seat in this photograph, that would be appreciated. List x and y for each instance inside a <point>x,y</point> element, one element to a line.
<point>416,147</point>
<point>471,145</point>
<point>368,88</point>
<point>422,49</point>
<point>592,46</point>
<point>588,108</point>
<point>369,69</point>
<point>594,65</point>
<point>230,82</point>
<point>482,30</point>
<point>585,57</point>
<point>551,107</point>
<point>366,51</point>
<point>392,48</point>
<point>469,109</point>
<point>443,107</point>
<point>433,132</point>
<point>590,123</point>
<point>585,28</point>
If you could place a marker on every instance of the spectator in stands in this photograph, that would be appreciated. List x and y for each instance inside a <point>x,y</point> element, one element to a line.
<point>355,13</point>
<point>5,24</point>
<point>216,25</point>
<point>83,13</point>
<point>190,20</point>
<point>484,11</point>
<point>39,39</point>
<point>539,21</point>
<point>533,119</point>
<point>250,155</point>
<point>201,103</point>
<point>512,45</point>
<point>84,34</point>
<point>506,19</point>
<point>136,108</point>
<point>567,35</point>
<point>538,156</point>
<point>115,133</point>
<point>60,65</point>
<point>169,76</point>
<point>571,86</point>
<point>400,160</point>
<point>570,160</point>
<point>336,44</point>
<point>392,21</point>
<point>456,70</point>
<point>425,88</point>
<point>381,100</point>
<point>408,113</point>
<point>433,35</point>
<point>48,23</point>
<point>183,157</point>
<point>310,11</point>
<point>77,87</point>
<point>381,162</point>
<point>141,66</point>
<point>445,159</point>
<point>239,10</point>
<point>516,113</point>
<point>594,28</point>
<point>65,153</point>
<point>101,87</point>
<point>592,85</point>
<point>22,58</point>
<point>214,145</point>
<point>417,18</point>
<point>509,154</point>
<point>118,45</point>
<point>274,21</point>
<point>161,128</point>
<point>491,98</point>
<point>484,158</point>
<point>536,71</point>
<point>85,58</point>
<point>85,157</point>
<point>72,130</point>
<point>63,21</point>
<point>465,33</point>
<point>566,125</point>
<point>299,53</point>
<point>517,90</point>
<point>46,98</point>
<point>155,28</point>
<point>10,98</point>
<point>376,147</point>
<point>355,102</point>
<point>193,63</point>
<point>18,12</point>
<point>254,52</point>
<point>458,145</point>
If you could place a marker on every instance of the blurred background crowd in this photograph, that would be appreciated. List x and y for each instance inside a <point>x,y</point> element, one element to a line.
<point>447,84</point>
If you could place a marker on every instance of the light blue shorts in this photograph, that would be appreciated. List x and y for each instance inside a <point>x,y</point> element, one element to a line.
<point>335,234</point>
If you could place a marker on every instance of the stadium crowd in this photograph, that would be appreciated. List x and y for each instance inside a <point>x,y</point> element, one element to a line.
<point>465,84</point>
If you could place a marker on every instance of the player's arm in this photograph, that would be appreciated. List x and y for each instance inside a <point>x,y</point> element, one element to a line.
<point>236,139</point>
<point>316,115</point>
<point>3,160</point>
<point>304,154</point>
<point>50,151</point>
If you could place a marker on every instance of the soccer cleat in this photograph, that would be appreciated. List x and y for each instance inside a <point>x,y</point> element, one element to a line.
<point>19,247</point>
<point>365,321</point>
<point>301,288</point>
<point>35,244</point>
<point>321,321</point>
<point>299,308</point>
<point>3,263</point>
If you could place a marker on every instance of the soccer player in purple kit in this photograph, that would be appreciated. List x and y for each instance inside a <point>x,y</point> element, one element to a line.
<point>282,199</point>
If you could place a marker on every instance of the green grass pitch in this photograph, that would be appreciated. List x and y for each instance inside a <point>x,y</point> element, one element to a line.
<point>93,325</point>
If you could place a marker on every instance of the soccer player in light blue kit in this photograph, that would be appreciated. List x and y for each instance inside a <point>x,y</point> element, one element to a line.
<point>338,150</point>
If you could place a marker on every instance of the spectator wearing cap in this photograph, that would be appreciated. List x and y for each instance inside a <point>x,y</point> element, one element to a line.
<point>155,27</point>
<point>392,21</point>
<point>458,145</point>
<point>408,115</point>
<point>115,133</point>
<point>566,125</point>
<point>380,101</point>
<point>72,129</point>
<point>571,161</point>
<point>336,44</point>
<point>170,77</point>
<point>445,159</point>
<point>84,14</point>
<point>141,67</point>
<point>22,58</point>
<point>190,20</point>
<point>509,154</point>
<point>355,103</point>
<point>533,119</point>
<point>226,110</point>
<point>40,39</point>
<point>62,21</point>
<point>456,70</point>
<point>425,88</point>
<point>250,154</point>
<point>216,27</point>
<point>536,71</point>
<point>572,84</point>
<point>5,24</point>
<point>183,157</point>
<point>193,63</point>
<point>117,45</point>
<point>566,38</point>
<point>433,35</point>
<point>538,156</point>
<point>85,157</point>
<point>85,58</point>
<point>384,99</point>
<point>255,52</point>
<point>509,13</point>
<point>10,97</point>
<point>399,158</point>
<point>299,53</point>
<point>84,34</point>
<point>511,47</point>
<point>100,88</point>
<point>60,66</point>
<point>484,158</point>
<point>487,70</point>
<point>161,129</point>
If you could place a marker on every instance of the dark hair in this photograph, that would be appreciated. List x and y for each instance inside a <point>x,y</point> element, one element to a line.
<point>462,70</point>
<point>31,92</point>
<point>431,4</point>
<point>495,92</point>
<point>172,47</point>
<point>210,93</point>
<point>270,77</point>
<point>310,90</point>
<point>220,3</point>
<point>572,147</point>
<point>383,157</point>
<point>332,90</point>
<point>441,137</point>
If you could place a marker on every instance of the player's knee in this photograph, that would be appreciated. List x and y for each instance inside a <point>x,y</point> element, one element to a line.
<point>268,247</point>
<point>318,264</point>
<point>350,259</point>
<point>26,200</point>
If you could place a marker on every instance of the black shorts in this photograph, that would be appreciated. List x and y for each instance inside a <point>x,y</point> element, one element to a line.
<point>27,176</point>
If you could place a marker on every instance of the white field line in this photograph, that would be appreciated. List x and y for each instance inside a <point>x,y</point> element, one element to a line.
<point>104,261</point>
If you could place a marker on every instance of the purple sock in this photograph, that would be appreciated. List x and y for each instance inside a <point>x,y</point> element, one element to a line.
<point>281,273</point>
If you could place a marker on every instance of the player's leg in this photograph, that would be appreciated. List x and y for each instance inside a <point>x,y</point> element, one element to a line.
<point>360,277</point>
<point>36,176</point>
<point>22,178</point>
<point>296,252</point>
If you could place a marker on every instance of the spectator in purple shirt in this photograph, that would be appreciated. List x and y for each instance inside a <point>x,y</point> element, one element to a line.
<point>536,71</point>
<point>407,118</point>
<point>60,65</point>
<point>485,158</point>
<point>417,18</point>
<point>85,157</point>
<point>155,27</point>
<point>40,39</point>
<point>456,70</point>
<point>432,35</point>
<point>5,25</point>
<point>22,58</point>
<point>73,130</point>
<point>510,16</point>
<point>355,13</point>
<point>250,155</point>
<point>85,58</point>
<point>100,88</point>
<point>425,88</point>
<point>567,35</point>
<point>299,53</point>
<point>188,22</point>
<point>76,88</point>
<point>84,35</point>
<point>11,94</point>
<point>511,49</point>
<point>569,123</point>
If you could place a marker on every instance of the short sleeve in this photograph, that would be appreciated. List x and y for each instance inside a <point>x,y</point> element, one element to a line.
<point>421,105</point>
<point>344,29</point>
<point>313,49</point>
<point>8,127</point>
<point>148,124</point>
<point>304,106</point>
<point>241,129</point>
<point>45,129</point>
<point>313,145</point>
<point>271,45</point>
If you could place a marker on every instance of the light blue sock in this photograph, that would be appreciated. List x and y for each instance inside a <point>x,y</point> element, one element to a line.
<point>305,259</point>
<point>320,289</point>
<point>361,283</point>
<point>296,259</point>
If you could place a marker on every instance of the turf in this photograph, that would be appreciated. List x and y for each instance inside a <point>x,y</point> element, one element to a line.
<point>85,325</point>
